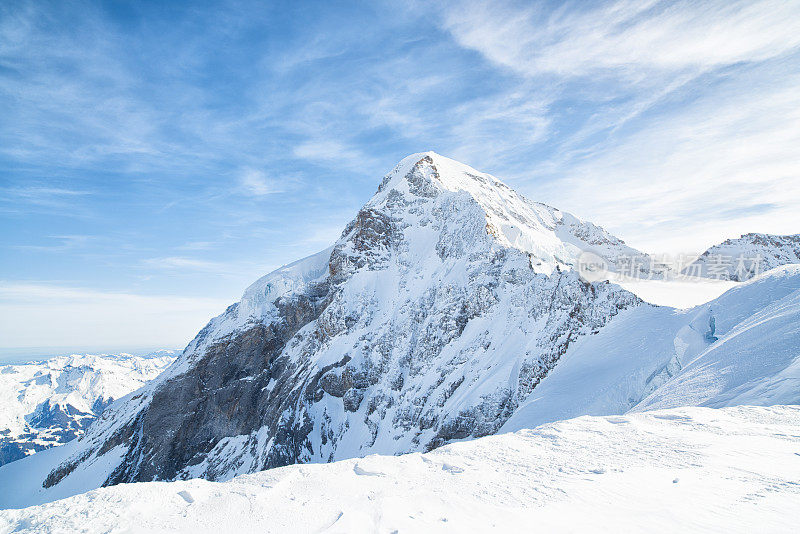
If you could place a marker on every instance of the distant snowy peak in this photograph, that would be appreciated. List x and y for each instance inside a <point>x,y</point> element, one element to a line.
<point>50,402</point>
<point>748,256</point>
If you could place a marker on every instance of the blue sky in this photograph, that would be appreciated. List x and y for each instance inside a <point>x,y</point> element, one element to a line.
<point>157,157</point>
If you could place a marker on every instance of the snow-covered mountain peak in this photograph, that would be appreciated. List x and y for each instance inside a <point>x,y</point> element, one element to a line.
<point>431,218</point>
<point>550,237</point>
<point>443,304</point>
<point>438,171</point>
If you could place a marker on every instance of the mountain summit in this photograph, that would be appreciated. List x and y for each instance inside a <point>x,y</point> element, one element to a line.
<point>440,313</point>
<point>440,308</point>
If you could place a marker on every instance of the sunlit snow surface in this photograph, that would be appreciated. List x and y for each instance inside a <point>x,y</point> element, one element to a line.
<point>683,293</point>
<point>660,357</point>
<point>688,469</point>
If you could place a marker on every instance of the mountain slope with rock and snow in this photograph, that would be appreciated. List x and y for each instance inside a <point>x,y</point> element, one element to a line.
<point>51,402</point>
<point>743,258</point>
<point>687,469</point>
<point>450,308</point>
<point>444,303</point>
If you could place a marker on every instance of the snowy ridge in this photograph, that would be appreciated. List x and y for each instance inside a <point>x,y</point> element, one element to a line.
<point>50,402</point>
<point>687,469</point>
<point>551,237</point>
<point>751,254</point>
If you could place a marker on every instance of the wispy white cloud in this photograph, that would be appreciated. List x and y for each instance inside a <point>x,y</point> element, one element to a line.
<point>198,245</point>
<point>186,264</point>
<point>256,182</point>
<point>685,129</point>
<point>724,165</point>
<point>332,151</point>
<point>62,243</point>
<point>630,37</point>
<point>25,199</point>
<point>40,195</point>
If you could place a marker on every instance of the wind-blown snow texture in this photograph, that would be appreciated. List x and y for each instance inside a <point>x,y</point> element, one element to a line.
<point>47,403</point>
<point>741,259</point>
<point>680,470</point>
<point>449,309</point>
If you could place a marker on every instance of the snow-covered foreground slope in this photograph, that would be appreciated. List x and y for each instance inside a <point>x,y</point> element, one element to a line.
<point>50,402</point>
<point>687,469</point>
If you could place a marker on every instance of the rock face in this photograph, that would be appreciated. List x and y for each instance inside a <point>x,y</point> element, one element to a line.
<point>443,304</point>
<point>743,258</point>
<point>51,402</point>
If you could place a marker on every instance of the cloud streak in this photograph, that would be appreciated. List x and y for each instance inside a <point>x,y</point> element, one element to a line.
<point>629,37</point>
<point>690,112</point>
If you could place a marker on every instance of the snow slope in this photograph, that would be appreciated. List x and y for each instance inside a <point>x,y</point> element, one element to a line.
<point>756,356</point>
<point>741,348</point>
<point>687,469</point>
<point>50,402</point>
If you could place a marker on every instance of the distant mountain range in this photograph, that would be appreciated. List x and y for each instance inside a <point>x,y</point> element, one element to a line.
<point>748,256</point>
<point>50,402</point>
<point>450,308</point>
